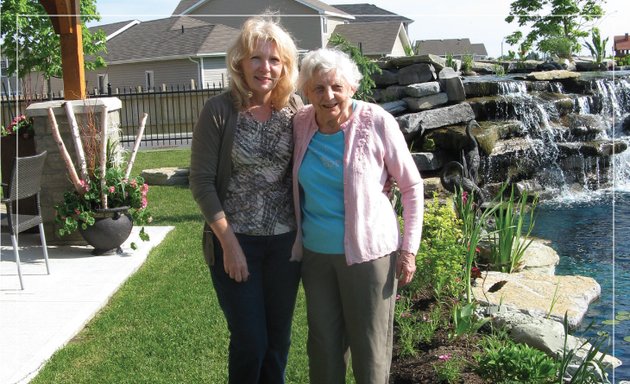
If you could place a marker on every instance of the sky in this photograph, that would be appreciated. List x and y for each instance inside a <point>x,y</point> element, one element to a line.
<point>480,21</point>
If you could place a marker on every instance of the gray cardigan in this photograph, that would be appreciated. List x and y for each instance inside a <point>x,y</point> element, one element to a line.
<point>211,160</point>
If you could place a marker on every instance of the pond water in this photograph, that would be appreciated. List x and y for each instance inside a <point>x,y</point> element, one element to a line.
<point>592,237</point>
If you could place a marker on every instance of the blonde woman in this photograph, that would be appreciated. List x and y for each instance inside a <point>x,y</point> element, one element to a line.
<point>240,177</point>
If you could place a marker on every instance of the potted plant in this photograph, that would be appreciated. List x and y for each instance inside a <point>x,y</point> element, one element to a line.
<point>20,125</point>
<point>106,201</point>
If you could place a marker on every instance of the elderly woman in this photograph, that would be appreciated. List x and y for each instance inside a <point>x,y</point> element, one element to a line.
<point>240,176</point>
<point>346,153</point>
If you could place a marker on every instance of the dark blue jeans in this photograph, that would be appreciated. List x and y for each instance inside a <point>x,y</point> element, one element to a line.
<point>259,311</point>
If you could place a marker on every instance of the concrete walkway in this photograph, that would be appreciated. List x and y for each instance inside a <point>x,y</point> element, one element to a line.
<point>52,309</point>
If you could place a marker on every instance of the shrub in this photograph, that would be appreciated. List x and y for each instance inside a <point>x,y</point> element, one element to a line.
<point>441,255</point>
<point>467,63</point>
<point>412,329</point>
<point>504,361</point>
<point>366,66</point>
<point>449,369</point>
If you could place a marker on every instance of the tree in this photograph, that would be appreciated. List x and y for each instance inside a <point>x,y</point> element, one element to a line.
<point>28,36</point>
<point>366,66</point>
<point>556,25</point>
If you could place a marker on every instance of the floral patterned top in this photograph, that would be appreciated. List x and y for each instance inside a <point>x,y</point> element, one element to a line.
<point>258,201</point>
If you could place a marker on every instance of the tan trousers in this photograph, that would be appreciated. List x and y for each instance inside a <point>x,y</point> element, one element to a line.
<point>349,308</point>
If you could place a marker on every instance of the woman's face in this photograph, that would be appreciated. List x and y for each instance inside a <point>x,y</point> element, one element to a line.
<point>262,68</point>
<point>330,95</point>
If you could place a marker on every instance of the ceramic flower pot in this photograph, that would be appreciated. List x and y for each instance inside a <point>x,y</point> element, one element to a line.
<point>111,228</point>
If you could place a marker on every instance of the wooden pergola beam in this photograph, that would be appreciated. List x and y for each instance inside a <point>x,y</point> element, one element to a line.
<point>64,15</point>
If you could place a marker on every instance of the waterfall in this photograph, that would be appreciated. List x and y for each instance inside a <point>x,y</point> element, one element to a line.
<point>570,138</point>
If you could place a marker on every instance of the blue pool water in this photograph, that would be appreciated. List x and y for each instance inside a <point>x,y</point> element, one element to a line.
<point>582,234</point>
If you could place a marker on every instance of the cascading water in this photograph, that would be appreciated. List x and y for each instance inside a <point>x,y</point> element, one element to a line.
<point>576,136</point>
<point>569,138</point>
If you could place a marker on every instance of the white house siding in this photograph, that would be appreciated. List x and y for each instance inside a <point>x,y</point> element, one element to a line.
<point>305,29</point>
<point>132,75</point>
<point>332,24</point>
<point>398,49</point>
<point>214,72</point>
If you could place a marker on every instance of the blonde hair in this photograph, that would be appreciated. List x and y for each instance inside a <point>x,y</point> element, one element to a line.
<point>255,29</point>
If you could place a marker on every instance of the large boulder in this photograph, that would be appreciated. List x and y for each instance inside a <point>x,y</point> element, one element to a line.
<point>539,295</point>
<point>416,104</point>
<point>166,176</point>
<point>416,73</point>
<point>422,89</point>
<point>452,84</point>
<point>546,335</point>
<point>558,74</point>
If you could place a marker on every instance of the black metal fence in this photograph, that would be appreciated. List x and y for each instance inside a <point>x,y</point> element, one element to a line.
<point>172,112</point>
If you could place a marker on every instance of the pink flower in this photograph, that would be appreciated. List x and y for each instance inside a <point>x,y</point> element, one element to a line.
<point>464,197</point>
<point>112,189</point>
<point>445,357</point>
<point>85,185</point>
<point>134,183</point>
<point>405,315</point>
<point>145,188</point>
<point>398,297</point>
<point>144,202</point>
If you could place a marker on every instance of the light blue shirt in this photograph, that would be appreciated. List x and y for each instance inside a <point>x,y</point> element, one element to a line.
<point>321,179</point>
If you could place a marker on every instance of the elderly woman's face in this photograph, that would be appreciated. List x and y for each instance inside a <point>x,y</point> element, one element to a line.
<point>330,94</point>
<point>262,68</point>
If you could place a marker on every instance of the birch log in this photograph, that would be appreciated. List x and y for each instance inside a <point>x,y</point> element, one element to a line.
<point>136,145</point>
<point>104,157</point>
<point>72,172</point>
<point>78,145</point>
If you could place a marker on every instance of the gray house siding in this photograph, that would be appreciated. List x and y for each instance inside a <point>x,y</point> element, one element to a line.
<point>214,72</point>
<point>132,75</point>
<point>301,27</point>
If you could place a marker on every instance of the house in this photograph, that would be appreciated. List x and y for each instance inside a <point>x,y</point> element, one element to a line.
<point>376,39</point>
<point>169,51</point>
<point>455,47</point>
<point>366,13</point>
<point>190,46</point>
<point>621,45</point>
<point>375,30</point>
<point>192,43</point>
<point>310,22</point>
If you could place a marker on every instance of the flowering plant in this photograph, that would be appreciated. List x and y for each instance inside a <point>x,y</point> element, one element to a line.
<point>20,124</point>
<point>78,209</point>
<point>103,183</point>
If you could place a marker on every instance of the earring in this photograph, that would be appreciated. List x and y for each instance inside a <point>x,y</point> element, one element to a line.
<point>250,94</point>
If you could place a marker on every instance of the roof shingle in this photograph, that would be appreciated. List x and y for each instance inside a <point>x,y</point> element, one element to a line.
<point>169,37</point>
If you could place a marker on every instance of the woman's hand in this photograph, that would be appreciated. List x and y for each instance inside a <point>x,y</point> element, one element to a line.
<point>234,261</point>
<point>405,267</point>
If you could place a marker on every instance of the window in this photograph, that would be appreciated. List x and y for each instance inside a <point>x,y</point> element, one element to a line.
<point>103,79</point>
<point>325,24</point>
<point>149,82</point>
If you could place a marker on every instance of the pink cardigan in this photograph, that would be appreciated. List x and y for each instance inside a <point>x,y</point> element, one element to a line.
<point>375,150</point>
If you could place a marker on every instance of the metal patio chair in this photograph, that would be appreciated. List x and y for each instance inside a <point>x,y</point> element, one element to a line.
<point>25,182</point>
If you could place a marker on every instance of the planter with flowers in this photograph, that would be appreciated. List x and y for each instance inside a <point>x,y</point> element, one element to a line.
<point>18,140</point>
<point>106,201</point>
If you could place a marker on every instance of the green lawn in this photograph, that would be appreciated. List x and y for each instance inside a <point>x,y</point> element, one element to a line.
<point>164,325</point>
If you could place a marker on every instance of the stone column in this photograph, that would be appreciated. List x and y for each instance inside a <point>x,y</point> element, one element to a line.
<point>55,179</point>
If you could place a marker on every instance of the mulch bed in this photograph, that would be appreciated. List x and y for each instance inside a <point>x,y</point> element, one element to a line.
<point>420,368</point>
